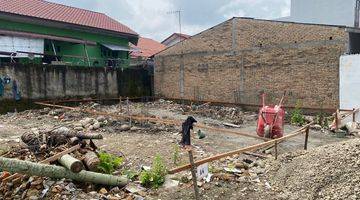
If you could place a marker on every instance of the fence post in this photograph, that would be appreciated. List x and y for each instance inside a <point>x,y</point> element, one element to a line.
<point>306,137</point>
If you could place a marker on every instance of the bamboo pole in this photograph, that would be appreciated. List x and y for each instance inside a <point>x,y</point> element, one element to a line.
<point>239,151</point>
<point>57,172</point>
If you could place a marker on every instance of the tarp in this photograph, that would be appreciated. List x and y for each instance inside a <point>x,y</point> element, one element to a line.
<point>14,44</point>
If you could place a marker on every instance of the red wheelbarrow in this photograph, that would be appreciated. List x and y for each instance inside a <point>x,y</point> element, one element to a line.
<point>271,120</point>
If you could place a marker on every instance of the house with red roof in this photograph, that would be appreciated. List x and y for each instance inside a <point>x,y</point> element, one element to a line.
<point>146,48</point>
<point>174,39</point>
<point>44,32</point>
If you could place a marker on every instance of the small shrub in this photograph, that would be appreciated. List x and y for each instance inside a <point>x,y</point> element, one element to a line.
<point>296,115</point>
<point>109,162</point>
<point>154,177</point>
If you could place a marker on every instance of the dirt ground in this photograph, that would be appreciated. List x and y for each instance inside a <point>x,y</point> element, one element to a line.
<point>144,140</point>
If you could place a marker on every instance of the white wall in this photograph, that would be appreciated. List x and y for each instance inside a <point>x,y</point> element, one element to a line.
<point>350,81</point>
<point>334,12</point>
<point>14,44</point>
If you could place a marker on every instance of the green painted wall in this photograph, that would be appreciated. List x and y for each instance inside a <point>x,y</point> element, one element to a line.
<point>76,50</point>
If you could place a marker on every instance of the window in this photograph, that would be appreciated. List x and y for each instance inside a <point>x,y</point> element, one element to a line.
<point>354,43</point>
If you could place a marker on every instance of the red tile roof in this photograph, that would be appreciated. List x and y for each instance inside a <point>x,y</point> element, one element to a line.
<point>62,13</point>
<point>181,35</point>
<point>147,48</point>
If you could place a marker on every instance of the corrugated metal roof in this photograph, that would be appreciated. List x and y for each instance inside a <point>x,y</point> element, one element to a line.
<point>61,13</point>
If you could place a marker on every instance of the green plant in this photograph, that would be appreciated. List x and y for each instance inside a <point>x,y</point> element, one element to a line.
<point>154,177</point>
<point>296,115</point>
<point>109,162</point>
<point>176,155</point>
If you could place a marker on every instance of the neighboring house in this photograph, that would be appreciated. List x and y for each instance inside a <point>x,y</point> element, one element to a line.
<point>146,48</point>
<point>334,12</point>
<point>174,38</point>
<point>38,31</point>
<point>237,60</point>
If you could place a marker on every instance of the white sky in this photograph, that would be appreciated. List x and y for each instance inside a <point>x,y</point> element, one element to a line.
<point>150,18</point>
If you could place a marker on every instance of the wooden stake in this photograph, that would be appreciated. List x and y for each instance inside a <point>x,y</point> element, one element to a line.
<point>306,137</point>
<point>193,174</point>
<point>353,115</point>
<point>128,110</point>
<point>276,150</point>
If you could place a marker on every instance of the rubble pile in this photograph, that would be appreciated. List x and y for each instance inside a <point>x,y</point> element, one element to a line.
<point>327,172</point>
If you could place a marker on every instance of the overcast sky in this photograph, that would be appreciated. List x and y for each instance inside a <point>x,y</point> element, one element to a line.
<point>151,18</point>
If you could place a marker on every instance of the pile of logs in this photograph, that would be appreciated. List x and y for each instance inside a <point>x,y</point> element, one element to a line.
<point>79,161</point>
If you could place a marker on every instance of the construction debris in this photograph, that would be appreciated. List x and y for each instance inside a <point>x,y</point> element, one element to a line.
<point>68,133</point>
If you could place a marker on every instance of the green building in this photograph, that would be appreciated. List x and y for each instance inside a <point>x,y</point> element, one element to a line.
<point>37,31</point>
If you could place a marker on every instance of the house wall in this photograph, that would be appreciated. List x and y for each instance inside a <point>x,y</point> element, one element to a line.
<point>237,60</point>
<point>70,48</point>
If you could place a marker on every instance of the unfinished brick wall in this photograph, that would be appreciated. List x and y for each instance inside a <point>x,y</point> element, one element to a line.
<point>255,56</point>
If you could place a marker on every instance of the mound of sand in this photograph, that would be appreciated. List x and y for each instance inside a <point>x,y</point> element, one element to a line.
<point>327,172</point>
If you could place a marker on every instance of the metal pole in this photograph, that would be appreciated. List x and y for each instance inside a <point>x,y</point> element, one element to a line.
<point>306,138</point>
<point>193,174</point>
<point>357,10</point>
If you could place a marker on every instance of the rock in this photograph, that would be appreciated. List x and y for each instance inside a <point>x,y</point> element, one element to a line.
<point>316,127</point>
<point>115,190</point>
<point>169,183</point>
<point>86,122</point>
<point>241,165</point>
<point>124,127</point>
<point>101,119</point>
<point>78,128</point>
<point>260,163</point>
<point>56,189</point>
<point>96,125</point>
<point>309,118</point>
<point>134,188</point>
<point>62,131</point>
<point>103,191</point>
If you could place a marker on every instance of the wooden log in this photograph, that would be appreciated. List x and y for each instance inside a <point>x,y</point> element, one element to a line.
<point>91,161</point>
<point>74,140</point>
<point>89,136</point>
<point>57,172</point>
<point>46,161</point>
<point>71,163</point>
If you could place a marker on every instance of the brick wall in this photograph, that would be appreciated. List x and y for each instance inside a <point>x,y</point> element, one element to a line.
<point>235,61</point>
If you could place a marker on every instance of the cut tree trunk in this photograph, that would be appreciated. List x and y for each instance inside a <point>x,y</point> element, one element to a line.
<point>57,172</point>
<point>91,161</point>
<point>71,163</point>
<point>46,161</point>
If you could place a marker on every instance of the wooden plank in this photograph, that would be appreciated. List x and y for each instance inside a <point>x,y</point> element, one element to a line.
<point>239,151</point>
<point>157,120</point>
